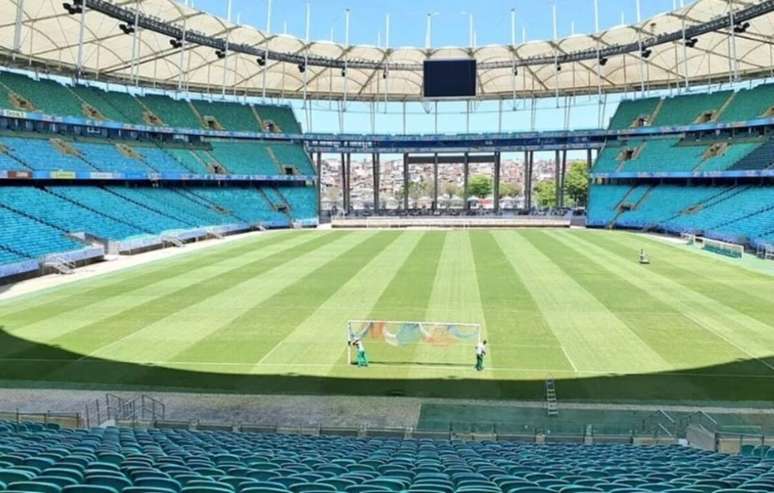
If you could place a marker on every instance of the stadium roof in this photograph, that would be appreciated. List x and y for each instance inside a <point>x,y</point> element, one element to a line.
<point>161,56</point>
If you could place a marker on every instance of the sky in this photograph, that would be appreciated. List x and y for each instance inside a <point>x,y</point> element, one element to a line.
<point>492,24</point>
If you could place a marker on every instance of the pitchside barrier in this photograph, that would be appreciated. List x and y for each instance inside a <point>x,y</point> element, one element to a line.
<point>419,344</point>
<point>452,222</point>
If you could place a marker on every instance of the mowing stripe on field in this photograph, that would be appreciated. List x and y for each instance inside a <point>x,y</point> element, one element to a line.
<point>59,324</point>
<point>729,335</point>
<point>322,336</point>
<point>165,338</point>
<point>255,332</point>
<point>586,328</point>
<point>82,294</point>
<point>746,291</point>
<point>407,297</point>
<point>86,339</point>
<point>511,314</point>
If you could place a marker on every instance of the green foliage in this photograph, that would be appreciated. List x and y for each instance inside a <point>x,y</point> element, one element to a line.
<point>451,189</point>
<point>508,189</point>
<point>576,183</point>
<point>545,193</point>
<point>480,186</point>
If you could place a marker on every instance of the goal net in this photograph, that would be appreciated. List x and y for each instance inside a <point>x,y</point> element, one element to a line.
<point>721,247</point>
<point>414,343</point>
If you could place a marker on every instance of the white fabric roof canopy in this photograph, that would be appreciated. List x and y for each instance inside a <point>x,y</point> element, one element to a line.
<point>49,39</point>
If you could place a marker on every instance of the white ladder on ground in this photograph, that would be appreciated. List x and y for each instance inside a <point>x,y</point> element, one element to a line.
<point>60,264</point>
<point>552,408</point>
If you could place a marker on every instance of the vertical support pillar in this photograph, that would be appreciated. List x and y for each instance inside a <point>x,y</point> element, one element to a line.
<point>343,182</point>
<point>496,187</point>
<point>563,176</point>
<point>588,159</point>
<point>465,175</point>
<point>376,172</point>
<point>405,182</point>
<point>349,183</point>
<point>557,176</point>
<point>319,183</point>
<point>435,182</point>
<point>530,156</point>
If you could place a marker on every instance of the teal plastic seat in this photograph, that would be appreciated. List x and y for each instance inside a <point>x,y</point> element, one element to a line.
<point>206,489</point>
<point>166,483</point>
<point>89,488</point>
<point>36,486</point>
<point>60,481</point>
<point>9,476</point>
<point>117,482</point>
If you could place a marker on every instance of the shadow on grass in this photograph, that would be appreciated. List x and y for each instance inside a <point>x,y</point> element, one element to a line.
<point>28,364</point>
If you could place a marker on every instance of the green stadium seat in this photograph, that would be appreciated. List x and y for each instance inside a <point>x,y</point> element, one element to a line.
<point>89,488</point>
<point>36,486</point>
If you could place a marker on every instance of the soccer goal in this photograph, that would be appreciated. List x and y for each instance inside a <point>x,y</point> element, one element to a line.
<point>414,343</point>
<point>723,248</point>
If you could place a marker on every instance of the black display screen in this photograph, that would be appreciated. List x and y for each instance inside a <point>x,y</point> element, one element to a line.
<point>450,78</point>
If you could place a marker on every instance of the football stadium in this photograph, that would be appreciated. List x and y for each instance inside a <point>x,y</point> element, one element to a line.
<point>484,254</point>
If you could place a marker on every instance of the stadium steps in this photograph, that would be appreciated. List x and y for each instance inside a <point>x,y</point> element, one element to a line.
<point>283,208</point>
<point>620,209</point>
<point>67,149</point>
<point>89,110</point>
<point>149,116</point>
<point>210,161</point>
<point>19,101</point>
<point>143,205</point>
<point>6,152</point>
<point>656,111</point>
<point>274,158</point>
<point>257,117</point>
<point>183,164</point>
<point>284,198</point>
<point>52,191</point>
<point>728,102</point>
<point>196,112</point>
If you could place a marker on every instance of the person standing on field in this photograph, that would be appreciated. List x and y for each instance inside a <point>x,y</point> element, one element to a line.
<point>362,359</point>
<point>480,353</point>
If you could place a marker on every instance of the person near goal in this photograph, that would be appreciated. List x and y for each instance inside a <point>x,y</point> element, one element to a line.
<point>362,358</point>
<point>480,353</point>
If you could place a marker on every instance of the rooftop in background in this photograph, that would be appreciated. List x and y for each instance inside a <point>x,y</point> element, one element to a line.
<point>49,39</point>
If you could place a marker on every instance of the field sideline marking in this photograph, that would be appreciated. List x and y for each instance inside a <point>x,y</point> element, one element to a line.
<point>161,364</point>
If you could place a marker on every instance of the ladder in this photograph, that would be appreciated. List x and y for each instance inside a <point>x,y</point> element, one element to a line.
<point>173,240</point>
<point>59,264</point>
<point>552,408</point>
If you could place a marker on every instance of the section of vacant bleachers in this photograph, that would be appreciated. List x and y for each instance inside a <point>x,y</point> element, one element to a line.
<point>674,154</point>
<point>607,161</point>
<point>658,155</point>
<point>749,104</point>
<point>603,202</point>
<point>762,157</point>
<point>40,154</point>
<point>104,201</point>
<point>734,152</point>
<point>293,155</point>
<point>136,460</point>
<point>248,204</point>
<point>47,96</point>
<point>281,116</point>
<point>9,257</point>
<point>126,105</point>
<point>230,116</point>
<point>29,237</point>
<point>97,99</point>
<point>7,161</point>
<point>162,161</point>
<point>173,113</point>
<point>630,111</point>
<point>107,157</point>
<point>684,110</point>
<point>177,204</point>
<point>188,159</point>
<point>662,203</point>
<point>302,201</point>
<point>244,158</point>
<point>64,214</point>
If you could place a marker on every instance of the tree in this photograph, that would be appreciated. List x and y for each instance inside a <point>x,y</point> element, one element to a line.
<point>416,189</point>
<point>546,193</point>
<point>509,190</point>
<point>480,186</point>
<point>576,183</point>
<point>451,189</point>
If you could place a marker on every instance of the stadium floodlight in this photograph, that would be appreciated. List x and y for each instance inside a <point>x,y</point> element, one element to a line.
<point>220,54</point>
<point>74,8</point>
<point>558,67</point>
<point>176,43</point>
<point>302,67</point>
<point>261,60</point>
<point>126,28</point>
<point>741,28</point>
<point>646,52</point>
<point>343,71</point>
<point>691,42</point>
<point>603,61</point>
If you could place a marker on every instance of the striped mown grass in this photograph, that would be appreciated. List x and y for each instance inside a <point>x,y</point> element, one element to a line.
<point>268,315</point>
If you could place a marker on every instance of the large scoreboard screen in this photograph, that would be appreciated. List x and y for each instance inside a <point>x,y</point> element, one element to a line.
<point>450,78</point>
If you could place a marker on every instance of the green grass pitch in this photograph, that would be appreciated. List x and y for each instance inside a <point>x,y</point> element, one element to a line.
<point>268,315</point>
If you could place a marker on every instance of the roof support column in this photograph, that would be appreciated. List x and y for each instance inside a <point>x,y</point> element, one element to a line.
<point>348,193</point>
<point>17,32</point>
<point>435,182</point>
<point>266,48</point>
<point>527,181</point>
<point>319,183</point>
<point>557,176</point>
<point>343,182</point>
<point>135,42</point>
<point>563,176</point>
<point>465,175</point>
<point>496,187</point>
<point>375,171</point>
<point>81,32</point>
<point>405,181</point>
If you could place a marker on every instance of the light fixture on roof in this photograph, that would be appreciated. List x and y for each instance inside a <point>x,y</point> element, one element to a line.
<point>261,60</point>
<point>126,28</point>
<point>302,67</point>
<point>558,67</point>
<point>386,72</point>
<point>176,43</point>
<point>220,54</point>
<point>343,71</point>
<point>690,43</point>
<point>603,61</point>
<point>73,8</point>
<point>740,28</point>
<point>646,52</point>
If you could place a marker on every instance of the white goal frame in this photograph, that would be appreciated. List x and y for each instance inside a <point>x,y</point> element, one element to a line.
<point>731,247</point>
<point>349,334</point>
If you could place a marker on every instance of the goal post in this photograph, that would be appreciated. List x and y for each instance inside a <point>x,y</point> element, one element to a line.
<point>723,248</point>
<point>414,343</point>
